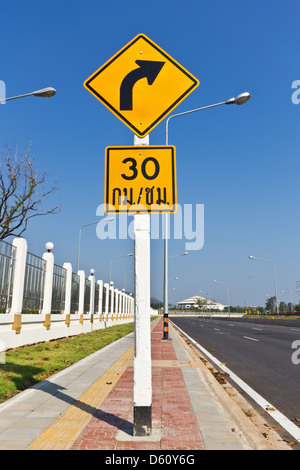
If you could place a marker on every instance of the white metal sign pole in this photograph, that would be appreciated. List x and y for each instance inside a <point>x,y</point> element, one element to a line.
<point>142,387</point>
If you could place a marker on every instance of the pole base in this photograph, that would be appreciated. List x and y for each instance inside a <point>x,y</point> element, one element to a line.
<point>142,420</point>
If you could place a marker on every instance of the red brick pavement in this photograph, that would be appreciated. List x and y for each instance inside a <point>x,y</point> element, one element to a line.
<point>172,412</point>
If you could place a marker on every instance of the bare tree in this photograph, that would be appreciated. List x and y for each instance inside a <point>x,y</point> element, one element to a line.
<point>22,192</point>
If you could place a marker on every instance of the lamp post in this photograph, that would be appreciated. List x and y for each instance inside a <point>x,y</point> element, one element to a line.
<point>44,93</point>
<point>275,281</point>
<point>227,286</point>
<point>166,287</point>
<point>125,280</point>
<point>206,299</point>
<point>121,256</point>
<point>240,99</point>
<point>108,219</point>
<point>203,292</point>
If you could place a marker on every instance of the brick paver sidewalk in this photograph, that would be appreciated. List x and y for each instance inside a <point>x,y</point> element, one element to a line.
<point>173,419</point>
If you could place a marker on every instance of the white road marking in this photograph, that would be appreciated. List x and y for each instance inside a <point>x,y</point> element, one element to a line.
<point>277,415</point>
<point>252,339</point>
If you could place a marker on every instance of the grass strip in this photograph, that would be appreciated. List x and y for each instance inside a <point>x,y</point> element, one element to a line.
<point>28,365</point>
<point>273,317</point>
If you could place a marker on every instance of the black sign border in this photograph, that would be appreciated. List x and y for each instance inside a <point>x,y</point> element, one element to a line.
<point>142,147</point>
<point>167,111</point>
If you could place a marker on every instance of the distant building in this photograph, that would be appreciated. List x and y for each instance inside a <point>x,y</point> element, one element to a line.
<point>207,304</point>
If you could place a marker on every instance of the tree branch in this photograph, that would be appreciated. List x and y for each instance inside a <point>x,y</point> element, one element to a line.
<point>22,192</point>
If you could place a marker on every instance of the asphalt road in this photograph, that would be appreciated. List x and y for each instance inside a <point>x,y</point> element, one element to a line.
<point>260,355</point>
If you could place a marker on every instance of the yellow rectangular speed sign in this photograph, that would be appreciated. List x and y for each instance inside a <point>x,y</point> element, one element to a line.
<point>140,179</point>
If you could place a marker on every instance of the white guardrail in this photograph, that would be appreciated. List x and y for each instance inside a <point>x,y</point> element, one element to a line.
<point>40,301</point>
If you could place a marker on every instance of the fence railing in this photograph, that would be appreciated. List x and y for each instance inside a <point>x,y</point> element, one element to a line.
<point>33,286</point>
<point>75,293</point>
<point>7,262</point>
<point>59,289</point>
<point>33,283</point>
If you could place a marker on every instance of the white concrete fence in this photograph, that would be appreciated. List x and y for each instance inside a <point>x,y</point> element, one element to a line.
<point>40,301</point>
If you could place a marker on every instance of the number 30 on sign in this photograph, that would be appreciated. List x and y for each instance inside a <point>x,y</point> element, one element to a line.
<point>140,179</point>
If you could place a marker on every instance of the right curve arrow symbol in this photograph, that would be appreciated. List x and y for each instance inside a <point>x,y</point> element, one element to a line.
<point>147,69</point>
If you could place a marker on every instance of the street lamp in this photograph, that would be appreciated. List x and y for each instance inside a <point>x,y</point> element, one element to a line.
<point>275,282</point>
<point>49,246</point>
<point>108,219</point>
<point>227,286</point>
<point>180,254</point>
<point>121,256</point>
<point>44,93</point>
<point>239,99</point>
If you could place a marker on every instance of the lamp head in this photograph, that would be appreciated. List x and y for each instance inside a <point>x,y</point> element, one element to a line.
<point>239,99</point>
<point>45,92</point>
<point>49,246</point>
<point>242,98</point>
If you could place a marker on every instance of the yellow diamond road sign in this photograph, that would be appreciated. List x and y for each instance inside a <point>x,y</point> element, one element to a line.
<point>141,84</point>
<point>140,179</point>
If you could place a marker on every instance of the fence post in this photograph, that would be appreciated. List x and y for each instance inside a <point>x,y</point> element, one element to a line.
<point>112,300</point>
<point>120,305</point>
<point>128,308</point>
<point>106,287</point>
<point>123,303</point>
<point>92,295</point>
<point>131,304</point>
<point>81,275</point>
<point>116,304</point>
<point>100,284</point>
<point>48,284</point>
<point>68,268</point>
<point>126,304</point>
<point>18,282</point>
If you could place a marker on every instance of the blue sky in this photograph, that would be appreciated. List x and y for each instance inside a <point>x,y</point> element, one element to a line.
<point>241,162</point>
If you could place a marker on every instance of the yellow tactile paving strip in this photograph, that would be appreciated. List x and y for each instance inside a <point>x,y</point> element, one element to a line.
<point>61,434</point>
